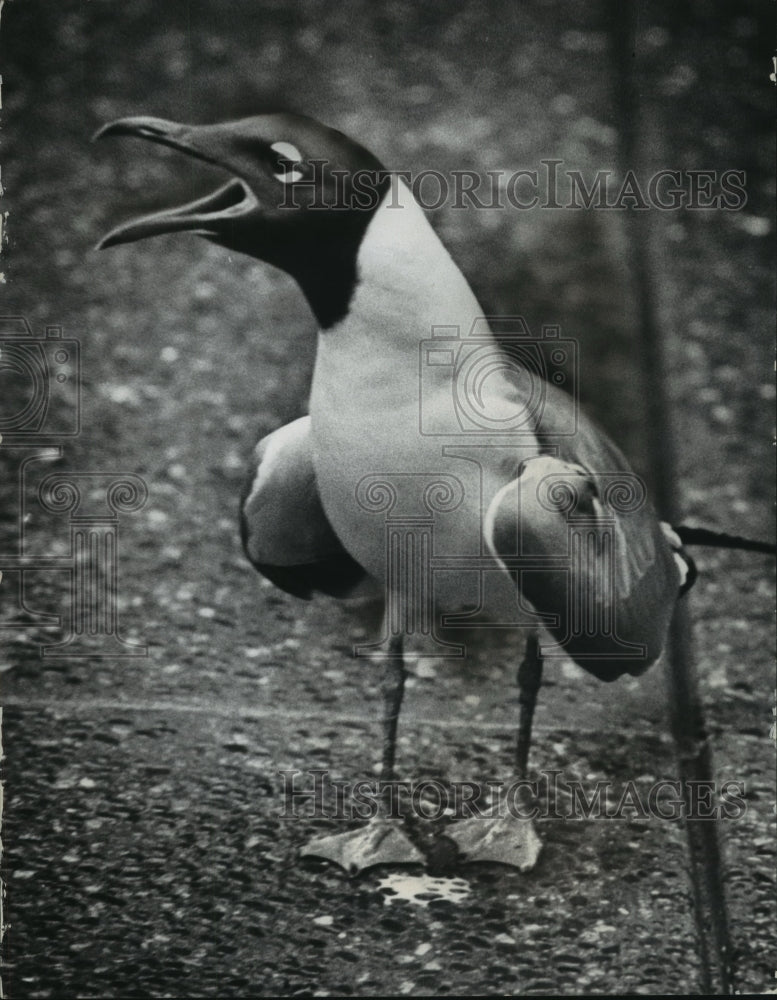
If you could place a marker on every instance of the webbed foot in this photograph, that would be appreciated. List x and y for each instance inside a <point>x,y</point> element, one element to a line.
<point>508,840</point>
<point>381,842</point>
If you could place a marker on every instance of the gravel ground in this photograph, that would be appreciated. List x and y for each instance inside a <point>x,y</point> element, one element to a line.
<point>146,853</point>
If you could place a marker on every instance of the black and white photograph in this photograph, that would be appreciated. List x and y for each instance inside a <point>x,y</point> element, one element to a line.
<point>387,493</point>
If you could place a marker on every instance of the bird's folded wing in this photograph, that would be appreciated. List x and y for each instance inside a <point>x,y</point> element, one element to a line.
<point>286,533</point>
<point>586,548</point>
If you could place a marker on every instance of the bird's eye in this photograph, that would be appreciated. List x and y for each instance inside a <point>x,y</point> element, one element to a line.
<point>287,155</point>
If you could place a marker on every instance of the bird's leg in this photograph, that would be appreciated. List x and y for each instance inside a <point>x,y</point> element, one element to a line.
<point>392,685</point>
<point>529,682</point>
<point>383,840</point>
<point>509,839</point>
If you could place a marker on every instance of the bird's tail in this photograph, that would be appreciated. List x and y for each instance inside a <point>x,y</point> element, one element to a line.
<point>722,540</point>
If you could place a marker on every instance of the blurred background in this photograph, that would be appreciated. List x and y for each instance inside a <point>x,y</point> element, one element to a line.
<point>144,850</point>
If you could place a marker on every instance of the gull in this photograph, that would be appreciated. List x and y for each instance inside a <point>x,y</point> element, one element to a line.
<point>441,466</point>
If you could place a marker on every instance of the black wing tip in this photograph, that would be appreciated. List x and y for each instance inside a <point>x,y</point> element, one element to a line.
<point>722,540</point>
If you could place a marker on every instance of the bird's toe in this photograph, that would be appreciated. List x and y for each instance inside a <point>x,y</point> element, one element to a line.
<point>506,840</point>
<point>382,842</point>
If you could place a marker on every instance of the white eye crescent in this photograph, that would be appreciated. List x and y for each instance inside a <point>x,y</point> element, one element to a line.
<point>289,152</point>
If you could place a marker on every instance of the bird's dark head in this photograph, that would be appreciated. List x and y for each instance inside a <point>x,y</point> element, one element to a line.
<point>300,197</point>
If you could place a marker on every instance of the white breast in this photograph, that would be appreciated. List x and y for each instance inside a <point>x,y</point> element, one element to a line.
<point>368,388</point>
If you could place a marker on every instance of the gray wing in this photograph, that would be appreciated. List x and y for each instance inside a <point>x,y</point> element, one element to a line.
<point>576,531</point>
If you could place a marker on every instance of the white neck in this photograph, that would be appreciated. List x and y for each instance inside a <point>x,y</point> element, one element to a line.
<point>407,284</point>
<point>407,281</point>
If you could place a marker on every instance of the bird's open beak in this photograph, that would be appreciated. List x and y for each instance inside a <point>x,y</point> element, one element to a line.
<point>208,216</point>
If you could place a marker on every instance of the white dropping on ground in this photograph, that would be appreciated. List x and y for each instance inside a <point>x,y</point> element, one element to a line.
<point>423,889</point>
